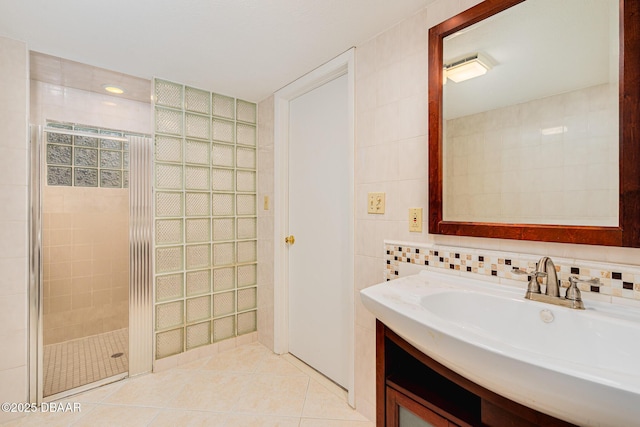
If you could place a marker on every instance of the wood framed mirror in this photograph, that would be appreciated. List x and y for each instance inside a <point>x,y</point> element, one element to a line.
<point>622,226</point>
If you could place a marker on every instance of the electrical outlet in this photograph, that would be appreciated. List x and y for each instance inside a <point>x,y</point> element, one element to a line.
<point>415,219</point>
<point>376,203</point>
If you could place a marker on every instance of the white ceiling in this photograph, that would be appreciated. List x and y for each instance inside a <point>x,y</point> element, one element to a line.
<point>539,48</point>
<point>243,48</point>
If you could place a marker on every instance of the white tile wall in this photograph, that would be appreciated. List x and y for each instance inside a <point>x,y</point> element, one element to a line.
<point>14,86</point>
<point>391,132</point>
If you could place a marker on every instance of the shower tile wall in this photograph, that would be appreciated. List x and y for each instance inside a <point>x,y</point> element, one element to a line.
<point>205,218</point>
<point>86,261</point>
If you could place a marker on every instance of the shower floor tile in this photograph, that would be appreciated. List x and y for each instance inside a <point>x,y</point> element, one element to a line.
<point>75,363</point>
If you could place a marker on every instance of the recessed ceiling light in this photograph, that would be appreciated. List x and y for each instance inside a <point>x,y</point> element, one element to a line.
<point>113,89</point>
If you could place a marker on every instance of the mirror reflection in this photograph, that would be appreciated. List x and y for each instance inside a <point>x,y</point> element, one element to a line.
<point>530,104</point>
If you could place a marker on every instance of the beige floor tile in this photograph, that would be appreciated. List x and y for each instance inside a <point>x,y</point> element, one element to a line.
<point>277,365</point>
<point>321,403</point>
<point>96,395</point>
<point>51,419</point>
<point>260,421</point>
<point>174,417</point>
<point>196,364</point>
<point>273,395</point>
<point>151,389</point>
<point>211,391</point>
<point>310,422</point>
<point>240,359</point>
<point>116,415</point>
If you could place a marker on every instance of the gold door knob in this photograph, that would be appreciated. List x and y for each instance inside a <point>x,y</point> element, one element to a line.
<point>290,240</point>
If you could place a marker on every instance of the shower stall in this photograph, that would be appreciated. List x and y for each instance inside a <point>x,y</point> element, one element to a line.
<point>91,231</point>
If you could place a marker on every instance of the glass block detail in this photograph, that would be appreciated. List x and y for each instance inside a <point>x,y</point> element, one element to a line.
<point>222,130</point>
<point>223,254</point>
<point>223,229</point>
<point>198,256</point>
<point>58,138</point>
<point>224,328</point>
<point>222,106</point>
<point>169,315</point>
<point>222,179</point>
<point>168,204</point>
<point>247,251</point>
<point>245,111</point>
<point>168,259</point>
<point>224,303</point>
<point>247,322</point>
<point>205,213</point>
<point>197,204</point>
<point>169,343</point>
<point>110,144</point>
<point>197,126</point>
<point>223,204</point>
<point>198,230</point>
<point>197,100</point>
<point>197,152</point>
<point>247,275</point>
<point>168,231</point>
<point>246,181</point>
<point>125,160</point>
<point>198,282</point>
<point>110,159</point>
<point>245,134</point>
<point>85,157</point>
<point>85,177</point>
<point>85,141</point>
<point>168,149</point>
<point>168,121</point>
<point>246,204</point>
<point>247,299</point>
<point>247,228</point>
<point>110,178</point>
<point>246,158</point>
<point>168,93</point>
<point>224,279</point>
<point>198,335</point>
<point>198,308</point>
<point>196,178</point>
<point>168,176</point>
<point>57,175</point>
<point>125,179</point>
<point>169,287</point>
<point>222,155</point>
<point>58,154</point>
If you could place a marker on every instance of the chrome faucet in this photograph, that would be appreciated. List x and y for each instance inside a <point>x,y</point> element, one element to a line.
<point>547,269</point>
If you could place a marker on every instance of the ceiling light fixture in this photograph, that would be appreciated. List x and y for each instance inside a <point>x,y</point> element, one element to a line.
<point>467,68</point>
<point>553,131</point>
<point>113,89</point>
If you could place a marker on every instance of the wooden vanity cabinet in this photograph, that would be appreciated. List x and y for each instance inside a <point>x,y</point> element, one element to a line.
<point>415,390</point>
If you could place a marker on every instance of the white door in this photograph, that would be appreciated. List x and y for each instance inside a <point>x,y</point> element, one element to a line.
<point>320,260</point>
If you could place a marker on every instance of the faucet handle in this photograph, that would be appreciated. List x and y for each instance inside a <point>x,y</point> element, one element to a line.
<point>573,293</point>
<point>533,287</point>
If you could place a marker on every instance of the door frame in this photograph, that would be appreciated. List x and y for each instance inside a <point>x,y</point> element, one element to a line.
<point>339,66</point>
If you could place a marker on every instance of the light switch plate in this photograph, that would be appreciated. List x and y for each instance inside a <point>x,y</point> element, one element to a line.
<point>415,219</point>
<point>376,203</point>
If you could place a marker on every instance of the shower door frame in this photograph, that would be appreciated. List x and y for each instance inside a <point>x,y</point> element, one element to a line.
<point>140,268</point>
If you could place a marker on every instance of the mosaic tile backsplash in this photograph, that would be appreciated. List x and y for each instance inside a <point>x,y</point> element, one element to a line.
<point>87,161</point>
<point>616,280</point>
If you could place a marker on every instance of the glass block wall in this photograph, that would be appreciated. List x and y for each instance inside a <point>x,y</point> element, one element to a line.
<point>85,160</point>
<point>205,217</point>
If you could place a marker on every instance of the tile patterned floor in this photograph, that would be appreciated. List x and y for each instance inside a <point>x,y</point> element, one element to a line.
<point>242,387</point>
<point>78,362</point>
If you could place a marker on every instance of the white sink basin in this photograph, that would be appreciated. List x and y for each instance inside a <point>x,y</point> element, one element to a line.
<point>582,366</point>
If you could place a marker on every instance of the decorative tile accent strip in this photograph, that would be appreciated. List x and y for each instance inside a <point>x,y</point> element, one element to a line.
<point>616,280</point>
